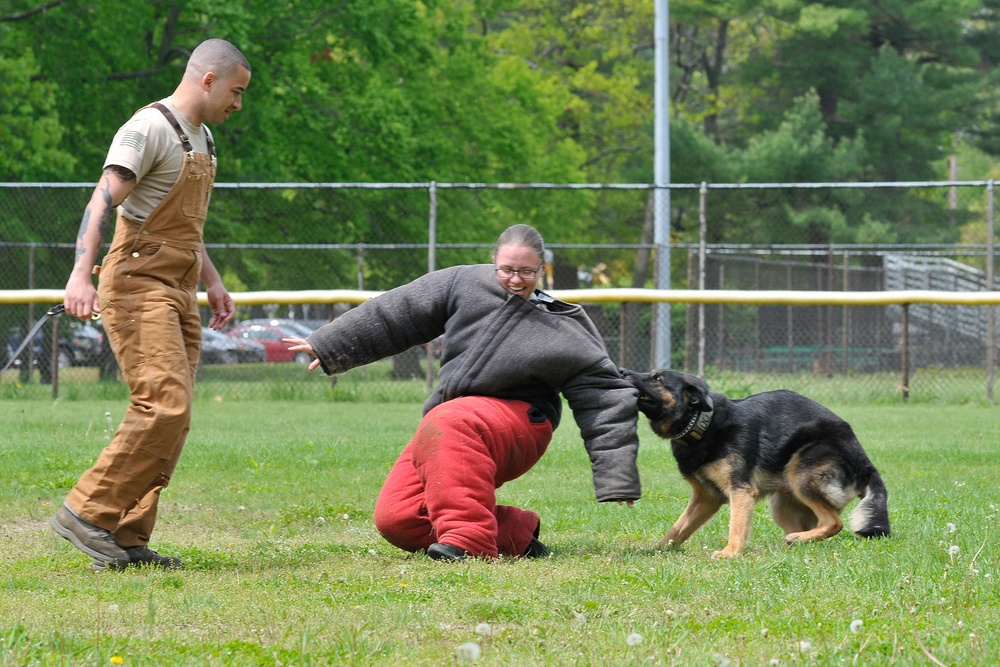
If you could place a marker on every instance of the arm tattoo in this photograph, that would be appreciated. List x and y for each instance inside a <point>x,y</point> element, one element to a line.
<point>125,175</point>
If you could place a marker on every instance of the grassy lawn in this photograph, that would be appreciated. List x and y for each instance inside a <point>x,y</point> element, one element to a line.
<point>271,511</point>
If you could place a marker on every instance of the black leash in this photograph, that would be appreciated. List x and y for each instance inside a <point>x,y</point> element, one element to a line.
<point>53,311</point>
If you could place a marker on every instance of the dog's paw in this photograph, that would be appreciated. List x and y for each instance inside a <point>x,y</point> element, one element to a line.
<point>725,553</point>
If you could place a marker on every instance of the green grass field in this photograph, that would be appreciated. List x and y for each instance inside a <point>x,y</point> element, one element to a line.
<point>271,510</point>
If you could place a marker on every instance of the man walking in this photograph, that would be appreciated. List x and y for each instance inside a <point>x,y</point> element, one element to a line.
<point>159,173</point>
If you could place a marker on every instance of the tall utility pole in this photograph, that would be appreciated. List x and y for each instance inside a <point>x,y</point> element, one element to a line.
<point>661,178</point>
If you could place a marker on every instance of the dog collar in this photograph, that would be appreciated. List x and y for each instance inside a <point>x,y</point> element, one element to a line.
<point>696,427</point>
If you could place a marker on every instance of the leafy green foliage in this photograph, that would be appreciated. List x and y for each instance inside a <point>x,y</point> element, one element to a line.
<point>525,91</point>
<point>30,130</point>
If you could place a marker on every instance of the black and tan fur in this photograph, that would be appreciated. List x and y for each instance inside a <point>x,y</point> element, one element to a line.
<point>778,444</point>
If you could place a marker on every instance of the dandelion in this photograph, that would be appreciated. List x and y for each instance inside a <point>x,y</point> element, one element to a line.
<point>112,608</point>
<point>950,527</point>
<point>721,660</point>
<point>468,652</point>
<point>634,639</point>
<point>320,520</point>
<point>856,626</point>
<point>953,551</point>
<point>117,659</point>
<point>764,632</point>
<point>345,516</point>
<point>484,629</point>
<point>804,646</point>
<point>775,662</point>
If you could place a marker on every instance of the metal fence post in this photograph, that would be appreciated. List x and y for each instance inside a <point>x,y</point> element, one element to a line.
<point>431,266</point>
<point>661,340</point>
<point>905,356</point>
<point>28,373</point>
<point>991,318</point>
<point>432,228</point>
<point>702,234</point>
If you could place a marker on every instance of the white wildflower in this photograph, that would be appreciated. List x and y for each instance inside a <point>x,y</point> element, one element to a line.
<point>484,629</point>
<point>804,646</point>
<point>634,639</point>
<point>764,632</point>
<point>953,550</point>
<point>856,626</point>
<point>320,520</point>
<point>950,527</point>
<point>775,662</point>
<point>721,660</point>
<point>468,652</point>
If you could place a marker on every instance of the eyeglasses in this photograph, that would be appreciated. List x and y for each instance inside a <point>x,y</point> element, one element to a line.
<point>507,272</point>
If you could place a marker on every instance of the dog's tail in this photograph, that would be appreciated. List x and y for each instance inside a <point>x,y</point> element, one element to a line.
<point>871,516</point>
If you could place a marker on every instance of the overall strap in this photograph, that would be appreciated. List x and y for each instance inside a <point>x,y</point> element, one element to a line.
<point>180,133</point>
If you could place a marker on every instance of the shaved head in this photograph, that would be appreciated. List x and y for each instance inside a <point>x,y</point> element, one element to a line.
<point>215,55</point>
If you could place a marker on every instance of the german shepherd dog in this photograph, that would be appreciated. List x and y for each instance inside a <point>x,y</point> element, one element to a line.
<point>778,444</point>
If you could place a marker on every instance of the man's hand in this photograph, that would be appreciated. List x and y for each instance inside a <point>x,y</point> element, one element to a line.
<point>222,306</point>
<point>81,297</point>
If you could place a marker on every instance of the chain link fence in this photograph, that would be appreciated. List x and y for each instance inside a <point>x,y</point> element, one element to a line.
<point>288,237</point>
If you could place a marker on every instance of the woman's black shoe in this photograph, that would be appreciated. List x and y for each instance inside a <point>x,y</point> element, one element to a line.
<point>536,550</point>
<point>439,551</point>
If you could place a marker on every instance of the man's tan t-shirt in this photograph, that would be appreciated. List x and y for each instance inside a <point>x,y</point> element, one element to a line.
<point>148,146</point>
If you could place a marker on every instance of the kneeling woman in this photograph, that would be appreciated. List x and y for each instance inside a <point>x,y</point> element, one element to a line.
<point>509,351</point>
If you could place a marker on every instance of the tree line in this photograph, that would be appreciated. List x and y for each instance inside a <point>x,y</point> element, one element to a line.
<point>504,91</point>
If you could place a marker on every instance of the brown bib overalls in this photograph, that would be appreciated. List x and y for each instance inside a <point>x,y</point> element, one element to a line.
<point>148,294</point>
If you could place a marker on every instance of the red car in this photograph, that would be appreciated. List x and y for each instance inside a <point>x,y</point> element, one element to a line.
<point>270,337</point>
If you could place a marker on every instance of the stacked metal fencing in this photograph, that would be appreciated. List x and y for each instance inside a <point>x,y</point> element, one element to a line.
<point>293,237</point>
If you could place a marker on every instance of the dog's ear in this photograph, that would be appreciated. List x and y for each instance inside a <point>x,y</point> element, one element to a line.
<point>696,396</point>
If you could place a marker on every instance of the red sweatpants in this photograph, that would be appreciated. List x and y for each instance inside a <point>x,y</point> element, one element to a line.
<point>443,486</point>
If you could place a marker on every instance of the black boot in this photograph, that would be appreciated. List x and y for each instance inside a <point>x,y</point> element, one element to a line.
<point>439,551</point>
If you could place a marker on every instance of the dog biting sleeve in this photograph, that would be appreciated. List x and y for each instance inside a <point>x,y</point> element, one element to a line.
<point>604,407</point>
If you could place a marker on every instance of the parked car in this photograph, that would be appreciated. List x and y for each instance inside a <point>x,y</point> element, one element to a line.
<point>218,348</point>
<point>270,337</point>
<point>79,345</point>
<point>298,326</point>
